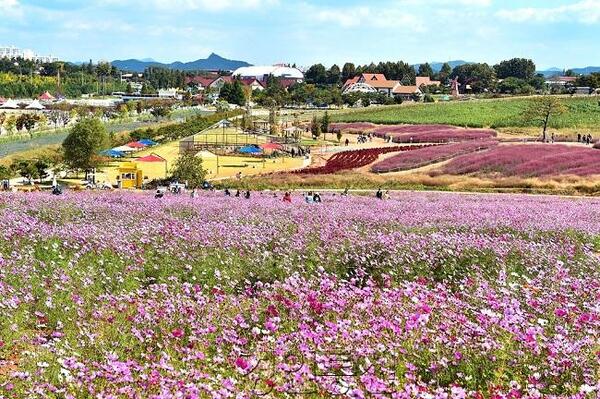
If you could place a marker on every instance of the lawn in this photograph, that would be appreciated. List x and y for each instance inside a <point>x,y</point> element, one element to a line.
<point>582,113</point>
<point>121,295</point>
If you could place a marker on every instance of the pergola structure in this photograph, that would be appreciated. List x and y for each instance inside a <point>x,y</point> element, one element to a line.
<point>210,139</point>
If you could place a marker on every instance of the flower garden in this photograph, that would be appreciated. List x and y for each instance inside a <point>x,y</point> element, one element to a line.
<point>426,156</point>
<point>425,295</point>
<point>528,160</point>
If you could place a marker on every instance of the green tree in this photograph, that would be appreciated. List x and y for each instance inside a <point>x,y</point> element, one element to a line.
<point>188,168</point>
<point>83,143</point>
<point>27,121</point>
<point>315,128</point>
<point>334,75</point>
<point>425,70</point>
<point>480,77</point>
<point>520,68</point>
<point>348,71</point>
<point>445,73</point>
<point>233,93</point>
<point>541,110</point>
<point>147,88</point>
<point>325,124</point>
<point>5,173</point>
<point>316,74</point>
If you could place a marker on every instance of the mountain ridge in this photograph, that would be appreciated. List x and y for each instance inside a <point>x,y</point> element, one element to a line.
<point>212,62</point>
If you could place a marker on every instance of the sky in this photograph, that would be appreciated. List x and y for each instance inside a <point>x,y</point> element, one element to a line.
<point>554,33</point>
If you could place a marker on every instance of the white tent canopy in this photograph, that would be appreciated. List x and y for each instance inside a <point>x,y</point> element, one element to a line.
<point>10,104</point>
<point>125,148</point>
<point>35,104</point>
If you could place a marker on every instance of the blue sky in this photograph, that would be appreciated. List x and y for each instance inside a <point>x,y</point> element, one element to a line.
<point>554,33</point>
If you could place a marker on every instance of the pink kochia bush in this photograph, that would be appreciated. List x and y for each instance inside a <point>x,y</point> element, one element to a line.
<point>529,160</point>
<point>120,295</point>
<point>432,133</point>
<point>426,156</point>
<point>352,128</point>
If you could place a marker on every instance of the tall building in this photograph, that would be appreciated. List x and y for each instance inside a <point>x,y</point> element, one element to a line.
<point>15,52</point>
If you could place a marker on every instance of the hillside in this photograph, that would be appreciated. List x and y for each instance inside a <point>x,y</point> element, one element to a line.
<point>213,62</point>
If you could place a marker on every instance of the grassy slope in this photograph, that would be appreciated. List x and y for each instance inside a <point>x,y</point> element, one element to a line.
<point>583,113</point>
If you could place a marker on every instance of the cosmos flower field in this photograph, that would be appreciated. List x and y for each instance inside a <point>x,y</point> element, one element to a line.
<point>121,295</point>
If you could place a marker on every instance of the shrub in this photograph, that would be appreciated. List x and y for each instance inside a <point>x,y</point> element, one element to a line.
<point>425,156</point>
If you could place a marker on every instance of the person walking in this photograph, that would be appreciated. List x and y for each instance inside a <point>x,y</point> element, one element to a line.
<point>379,194</point>
<point>247,194</point>
<point>347,142</point>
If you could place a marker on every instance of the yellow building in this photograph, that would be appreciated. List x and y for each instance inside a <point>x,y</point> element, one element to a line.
<point>133,174</point>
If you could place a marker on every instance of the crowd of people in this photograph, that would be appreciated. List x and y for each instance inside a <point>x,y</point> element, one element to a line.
<point>585,138</point>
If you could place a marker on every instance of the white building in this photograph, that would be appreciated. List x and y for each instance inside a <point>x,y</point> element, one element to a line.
<point>260,73</point>
<point>15,52</point>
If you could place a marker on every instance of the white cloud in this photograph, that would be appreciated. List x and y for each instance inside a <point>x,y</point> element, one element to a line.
<point>383,17</point>
<point>584,11</point>
<point>194,5</point>
<point>10,8</point>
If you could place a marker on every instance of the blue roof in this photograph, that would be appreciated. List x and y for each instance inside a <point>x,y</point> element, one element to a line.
<point>249,150</point>
<point>147,142</point>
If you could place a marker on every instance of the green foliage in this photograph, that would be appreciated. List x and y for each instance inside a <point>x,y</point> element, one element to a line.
<point>325,123</point>
<point>188,168</point>
<point>233,93</point>
<point>348,71</point>
<point>29,79</point>
<point>591,80</point>
<point>5,173</point>
<point>479,76</point>
<point>161,111</point>
<point>425,70</point>
<point>177,131</point>
<point>316,74</point>
<point>315,127</point>
<point>83,143</point>
<point>164,78</point>
<point>520,68</point>
<point>513,85</point>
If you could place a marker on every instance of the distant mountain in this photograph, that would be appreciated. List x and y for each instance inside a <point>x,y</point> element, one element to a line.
<point>437,66</point>
<point>214,62</point>
<point>577,71</point>
<point>586,70</point>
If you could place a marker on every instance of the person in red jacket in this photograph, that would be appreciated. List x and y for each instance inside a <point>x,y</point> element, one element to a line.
<point>287,197</point>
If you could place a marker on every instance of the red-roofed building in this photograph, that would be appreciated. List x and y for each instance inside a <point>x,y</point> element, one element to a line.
<point>201,82</point>
<point>407,92</point>
<point>370,83</point>
<point>426,81</point>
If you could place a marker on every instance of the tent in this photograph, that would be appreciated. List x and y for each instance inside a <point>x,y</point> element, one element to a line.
<point>45,96</point>
<point>250,150</point>
<point>35,104</point>
<point>151,158</point>
<point>12,104</point>
<point>112,153</point>
<point>271,146</point>
<point>136,144</point>
<point>147,142</point>
<point>124,148</point>
<point>223,123</point>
